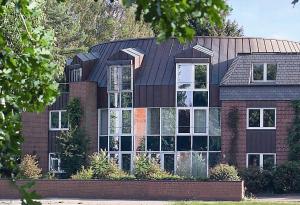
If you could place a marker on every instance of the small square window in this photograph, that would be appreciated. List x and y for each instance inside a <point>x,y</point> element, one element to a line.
<point>103,143</point>
<point>167,143</point>
<point>153,143</point>
<point>58,120</point>
<point>258,72</point>
<point>271,71</point>
<point>184,98</point>
<point>254,118</point>
<point>183,143</point>
<point>126,143</point>
<point>254,160</point>
<point>269,117</point>
<point>54,118</point>
<point>199,143</point>
<point>200,98</point>
<point>113,143</point>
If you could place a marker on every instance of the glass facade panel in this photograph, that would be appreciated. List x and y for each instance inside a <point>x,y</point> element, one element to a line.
<point>268,161</point>
<point>200,76</point>
<point>200,98</point>
<point>258,71</point>
<point>113,79</point>
<point>184,143</point>
<point>183,164</point>
<point>199,165</point>
<point>126,99</point>
<point>200,143</point>
<point>126,78</point>
<point>168,124</point>
<point>54,118</point>
<point>184,98</point>
<point>153,121</point>
<point>169,163</point>
<point>214,159</point>
<point>271,71</point>
<point>126,162</point>
<point>185,76</point>
<point>214,122</point>
<point>103,122</point>
<point>64,120</point>
<point>153,143</point>
<point>253,160</point>
<point>200,121</point>
<point>126,121</point>
<point>114,143</point>
<point>126,143</point>
<point>103,143</point>
<point>214,143</point>
<point>167,143</point>
<point>114,121</point>
<point>184,121</point>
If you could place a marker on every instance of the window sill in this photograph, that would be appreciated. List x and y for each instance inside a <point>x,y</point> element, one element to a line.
<point>261,128</point>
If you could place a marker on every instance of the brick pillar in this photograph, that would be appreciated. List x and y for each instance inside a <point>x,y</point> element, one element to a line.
<point>227,134</point>
<point>87,93</point>
<point>285,116</point>
<point>35,133</point>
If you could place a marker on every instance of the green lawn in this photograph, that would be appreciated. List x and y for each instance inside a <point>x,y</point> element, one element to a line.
<point>237,203</point>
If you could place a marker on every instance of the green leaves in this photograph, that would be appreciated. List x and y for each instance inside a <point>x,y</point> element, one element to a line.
<point>171,18</point>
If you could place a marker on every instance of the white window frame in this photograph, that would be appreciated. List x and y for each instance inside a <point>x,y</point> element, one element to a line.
<point>59,120</point>
<point>261,158</point>
<point>265,72</point>
<point>261,119</point>
<point>50,159</point>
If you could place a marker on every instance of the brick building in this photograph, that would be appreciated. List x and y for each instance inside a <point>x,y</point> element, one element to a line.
<point>177,102</point>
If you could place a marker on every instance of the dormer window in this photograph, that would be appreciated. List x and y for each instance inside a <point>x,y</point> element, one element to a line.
<point>76,75</point>
<point>264,72</point>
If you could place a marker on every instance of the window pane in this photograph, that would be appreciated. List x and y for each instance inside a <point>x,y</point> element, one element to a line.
<point>113,143</point>
<point>254,118</point>
<point>269,118</point>
<point>183,121</point>
<point>54,119</point>
<point>185,76</point>
<point>113,77</point>
<point>114,100</point>
<point>214,122</point>
<point>114,158</point>
<point>103,143</point>
<point>153,143</point>
<point>64,119</point>
<point>183,164</point>
<point>214,143</point>
<point>126,143</point>
<point>153,121</point>
<point>200,121</point>
<point>126,78</point>
<point>126,99</point>
<point>268,161</point>
<point>126,162</point>
<point>168,123</point>
<point>214,159</point>
<point>200,98</point>
<point>258,71</point>
<point>200,76</point>
<point>126,121</point>
<point>199,165</point>
<point>183,143</point>
<point>184,98</point>
<point>114,121</point>
<point>169,163</point>
<point>271,71</point>
<point>253,160</point>
<point>167,143</point>
<point>199,143</point>
<point>103,122</point>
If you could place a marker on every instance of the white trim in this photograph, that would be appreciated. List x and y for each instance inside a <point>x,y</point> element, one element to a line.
<point>59,120</point>
<point>261,118</point>
<point>50,162</point>
<point>261,161</point>
<point>204,50</point>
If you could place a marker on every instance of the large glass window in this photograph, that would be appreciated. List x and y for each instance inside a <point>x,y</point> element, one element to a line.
<point>168,118</point>
<point>58,120</point>
<point>264,72</point>
<point>261,118</point>
<point>200,121</point>
<point>153,121</point>
<point>214,122</point>
<point>200,76</point>
<point>184,123</point>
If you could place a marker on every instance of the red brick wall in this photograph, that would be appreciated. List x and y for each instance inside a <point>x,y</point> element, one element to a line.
<point>285,117</point>
<point>87,93</point>
<point>35,133</point>
<point>227,134</point>
<point>142,190</point>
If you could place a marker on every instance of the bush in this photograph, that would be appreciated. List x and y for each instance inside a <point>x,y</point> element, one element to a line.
<point>83,174</point>
<point>103,168</point>
<point>287,178</point>
<point>224,172</point>
<point>257,181</point>
<point>146,168</point>
<point>29,167</point>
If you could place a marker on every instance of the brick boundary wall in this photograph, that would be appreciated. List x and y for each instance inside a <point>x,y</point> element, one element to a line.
<point>140,190</point>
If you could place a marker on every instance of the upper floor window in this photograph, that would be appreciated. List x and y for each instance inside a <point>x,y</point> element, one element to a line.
<point>76,75</point>
<point>120,78</point>
<point>263,72</point>
<point>261,118</point>
<point>58,120</point>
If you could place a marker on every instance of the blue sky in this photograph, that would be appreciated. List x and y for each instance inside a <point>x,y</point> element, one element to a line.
<point>267,18</point>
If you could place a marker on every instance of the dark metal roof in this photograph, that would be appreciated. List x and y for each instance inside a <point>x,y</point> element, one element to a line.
<point>158,66</point>
<point>288,69</point>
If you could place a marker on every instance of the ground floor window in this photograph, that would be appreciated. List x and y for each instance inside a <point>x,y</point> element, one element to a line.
<point>54,163</point>
<point>261,160</point>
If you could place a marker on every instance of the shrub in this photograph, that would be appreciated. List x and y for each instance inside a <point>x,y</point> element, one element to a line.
<point>287,178</point>
<point>83,174</point>
<point>257,181</point>
<point>146,168</point>
<point>103,168</point>
<point>224,172</point>
<point>29,167</point>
